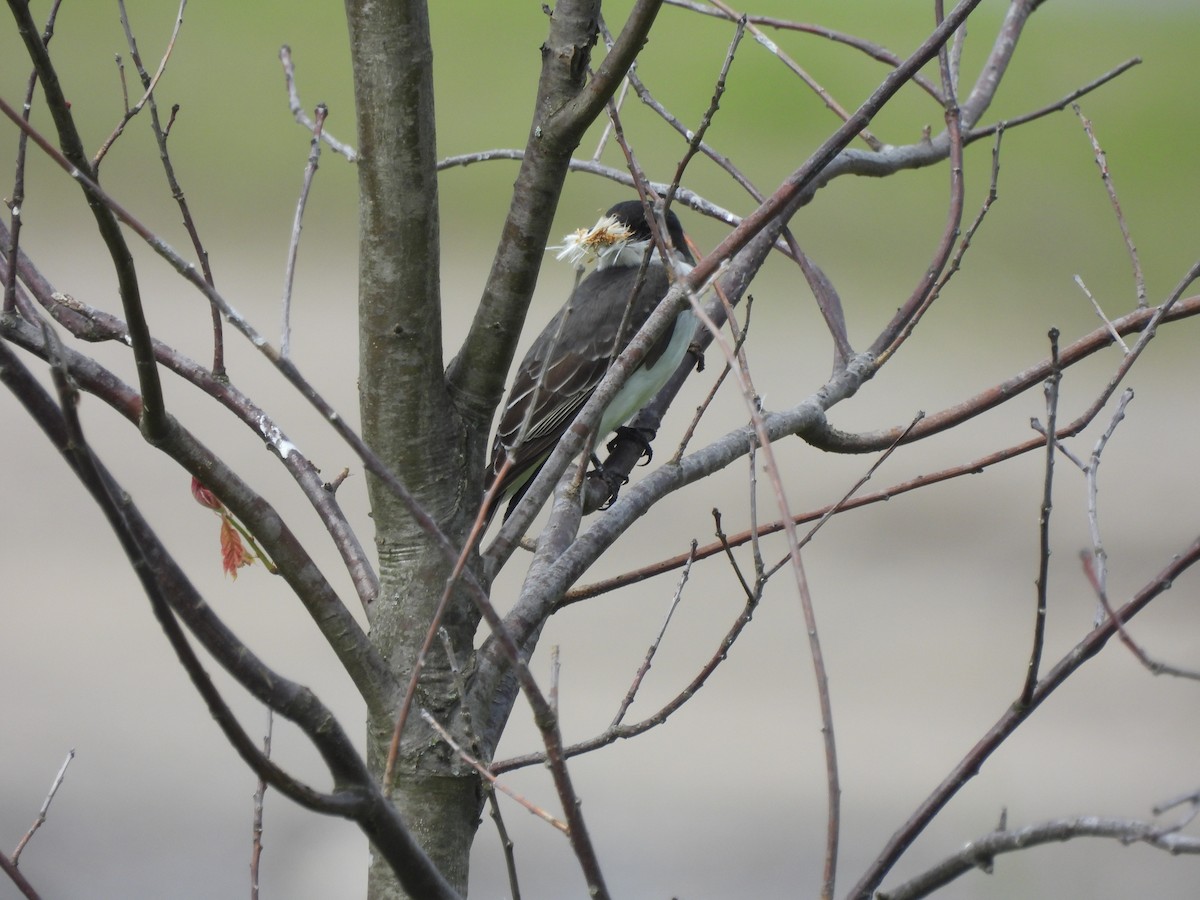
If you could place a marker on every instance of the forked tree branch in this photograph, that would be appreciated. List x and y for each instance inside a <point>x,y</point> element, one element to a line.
<point>329,613</point>
<point>770,218</point>
<point>546,719</point>
<point>90,324</point>
<point>567,103</point>
<point>153,414</point>
<point>285,367</point>
<point>171,594</point>
<point>1014,717</point>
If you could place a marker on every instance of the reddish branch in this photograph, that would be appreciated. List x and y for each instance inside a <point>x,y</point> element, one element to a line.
<point>873,442</point>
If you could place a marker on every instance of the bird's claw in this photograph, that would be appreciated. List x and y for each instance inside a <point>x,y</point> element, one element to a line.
<point>613,482</point>
<point>640,436</point>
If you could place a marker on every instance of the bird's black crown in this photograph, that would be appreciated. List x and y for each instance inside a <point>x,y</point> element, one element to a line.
<point>632,214</point>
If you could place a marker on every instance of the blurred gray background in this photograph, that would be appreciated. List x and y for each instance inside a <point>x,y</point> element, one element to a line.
<point>924,603</point>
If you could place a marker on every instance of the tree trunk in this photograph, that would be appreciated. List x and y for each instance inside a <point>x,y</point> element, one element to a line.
<point>410,422</point>
<point>441,811</point>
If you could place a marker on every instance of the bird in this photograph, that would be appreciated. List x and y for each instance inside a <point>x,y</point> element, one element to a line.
<point>569,358</point>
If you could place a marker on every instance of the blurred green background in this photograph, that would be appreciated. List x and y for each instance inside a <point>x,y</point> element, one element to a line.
<point>924,602</point>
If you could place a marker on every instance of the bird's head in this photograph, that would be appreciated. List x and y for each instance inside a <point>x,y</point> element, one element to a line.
<point>621,238</point>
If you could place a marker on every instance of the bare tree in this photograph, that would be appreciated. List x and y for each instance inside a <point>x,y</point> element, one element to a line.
<point>439,653</point>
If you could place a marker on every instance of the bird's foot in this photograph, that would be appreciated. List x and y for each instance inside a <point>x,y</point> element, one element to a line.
<point>612,480</point>
<point>640,436</point>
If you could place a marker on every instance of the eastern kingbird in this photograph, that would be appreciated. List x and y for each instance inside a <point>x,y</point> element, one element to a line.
<point>576,347</point>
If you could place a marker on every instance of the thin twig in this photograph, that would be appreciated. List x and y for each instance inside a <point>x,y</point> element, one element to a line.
<point>1099,557</point>
<point>874,51</point>
<point>299,112</point>
<point>723,540</point>
<point>696,139</point>
<point>16,201</point>
<point>969,235</point>
<point>774,49</point>
<point>618,102</point>
<point>1043,578</point>
<point>1139,277</point>
<point>833,509</point>
<point>631,694</point>
<point>1100,312</point>
<point>555,674</point>
<point>506,843</point>
<point>489,777</point>
<point>905,321</point>
<point>289,271</point>
<point>189,224</point>
<point>1058,105</point>
<point>41,816</point>
<point>752,506</point>
<point>1191,798</point>
<point>256,828</point>
<point>131,111</point>
<point>703,407</point>
<point>1095,560</point>
<point>724,162</point>
<point>661,715</point>
<point>741,373</point>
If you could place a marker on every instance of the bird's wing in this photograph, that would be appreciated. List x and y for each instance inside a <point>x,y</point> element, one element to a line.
<point>579,353</point>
